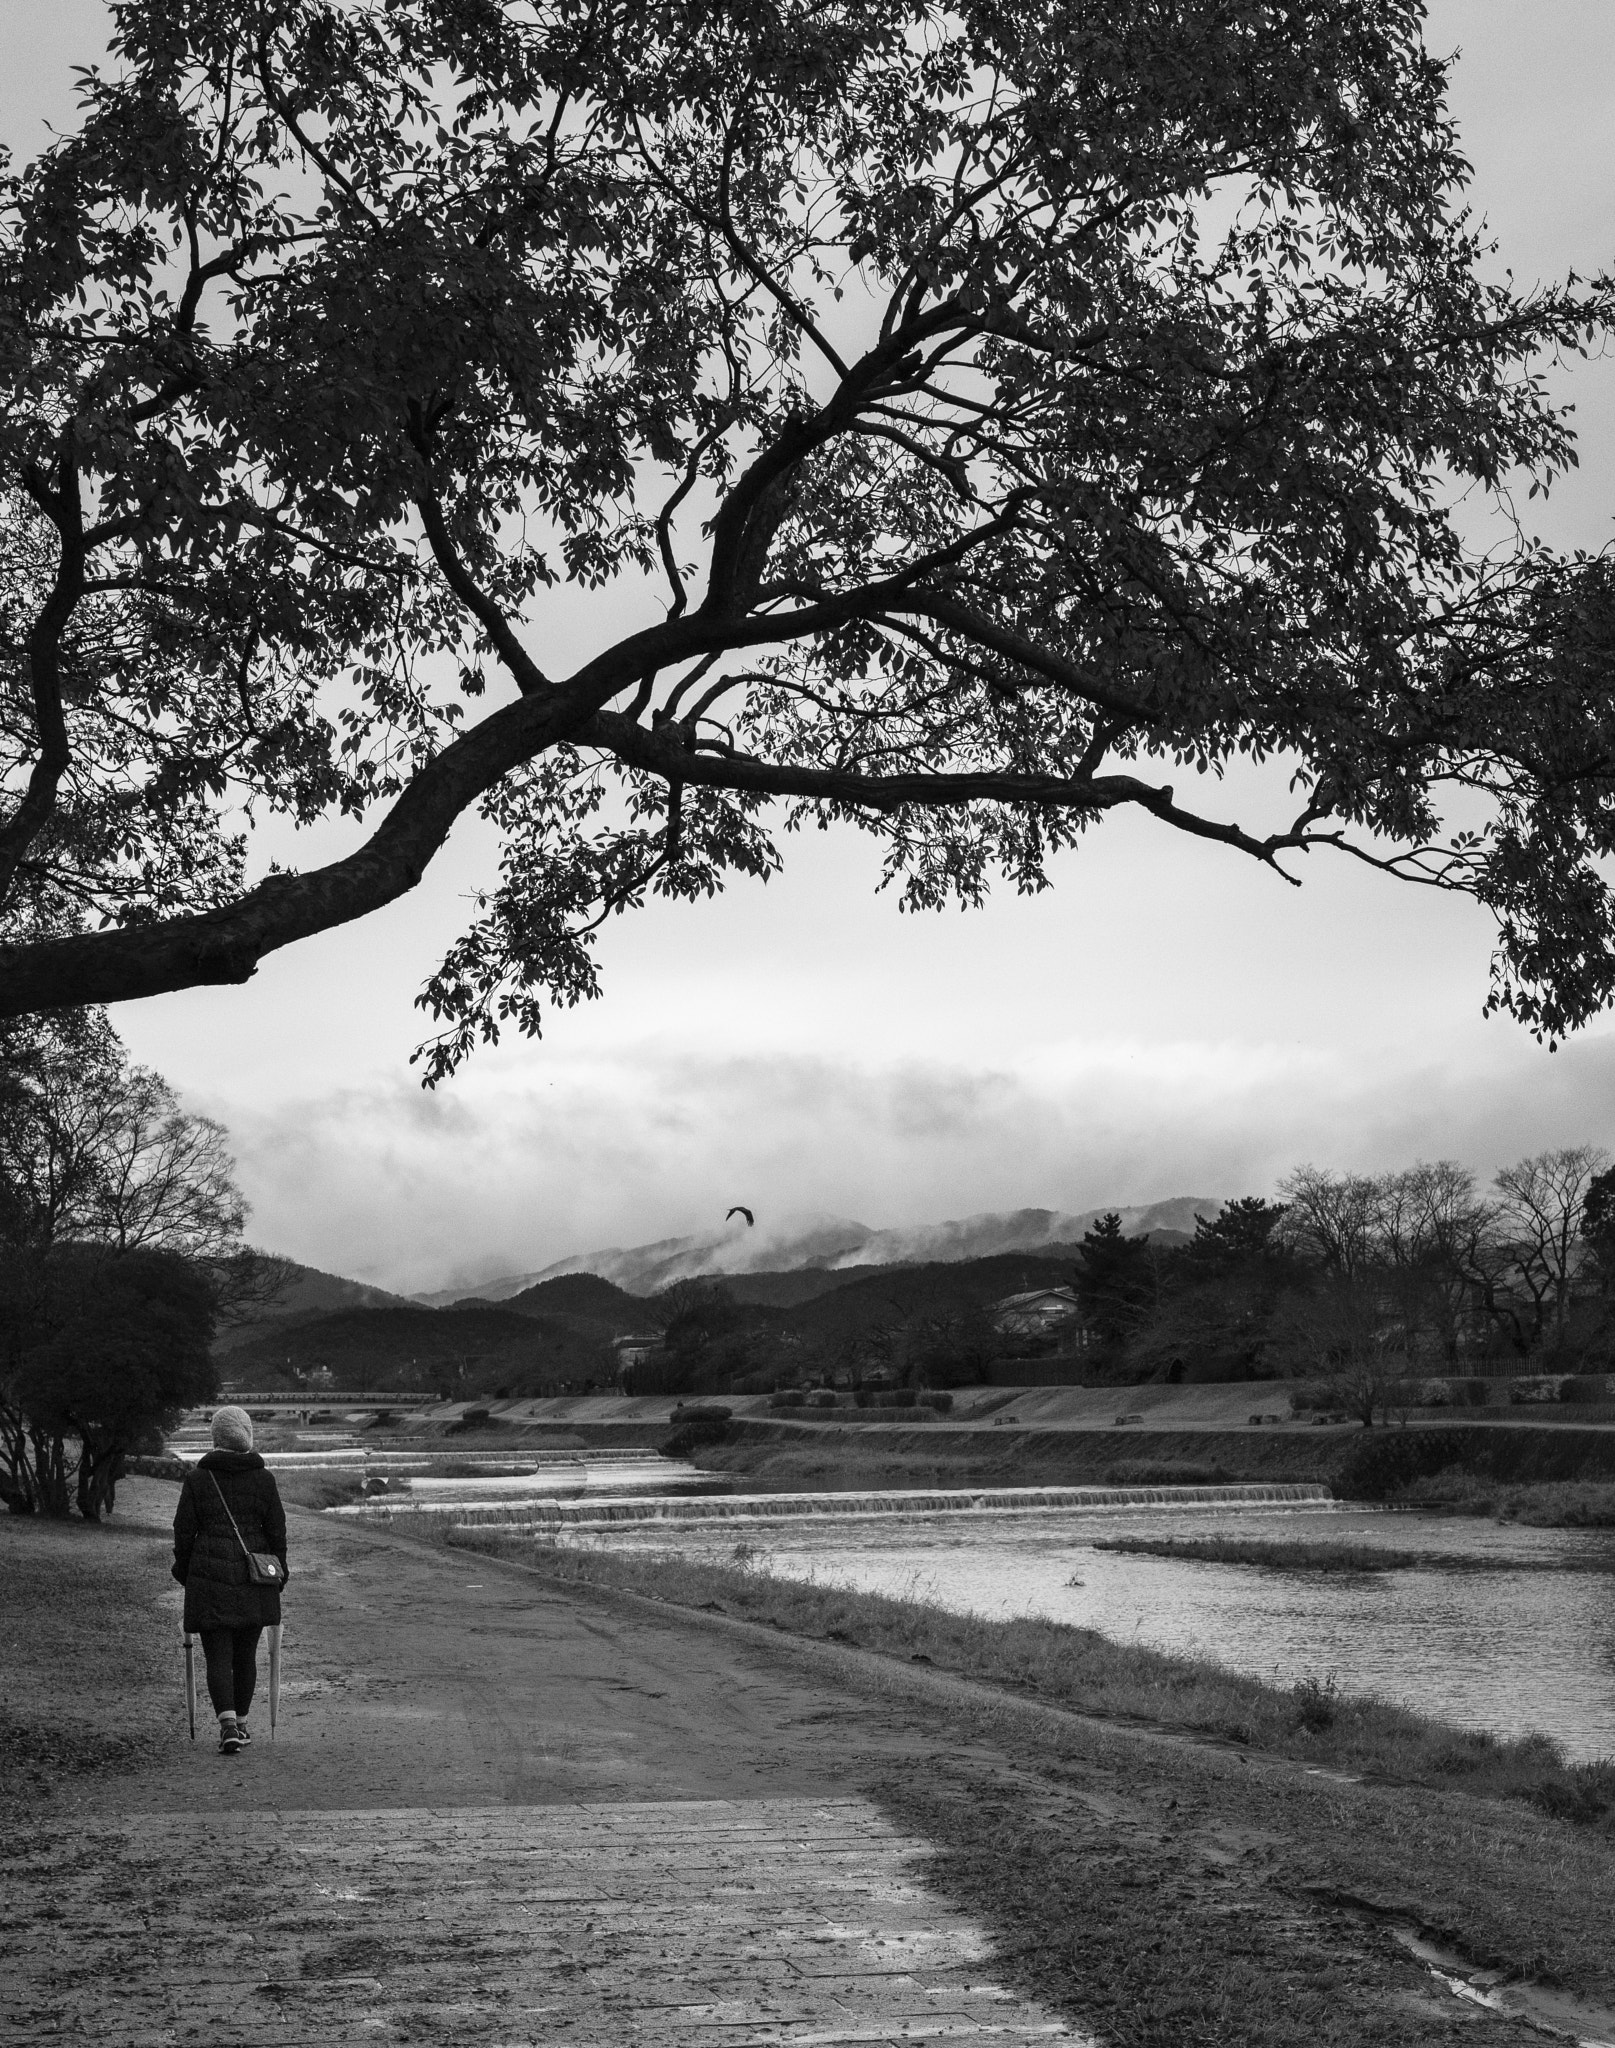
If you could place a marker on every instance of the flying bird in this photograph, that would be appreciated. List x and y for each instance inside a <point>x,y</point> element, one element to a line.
<point>740,1210</point>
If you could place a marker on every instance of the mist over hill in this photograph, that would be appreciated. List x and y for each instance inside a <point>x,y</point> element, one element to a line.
<point>834,1247</point>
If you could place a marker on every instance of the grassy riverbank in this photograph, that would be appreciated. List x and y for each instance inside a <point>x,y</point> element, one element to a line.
<point>1317,1722</point>
<point>777,1457</point>
<point>1569,1504</point>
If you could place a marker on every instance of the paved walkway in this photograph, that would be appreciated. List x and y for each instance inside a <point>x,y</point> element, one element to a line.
<point>673,1925</point>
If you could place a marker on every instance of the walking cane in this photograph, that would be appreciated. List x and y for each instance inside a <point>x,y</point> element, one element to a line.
<point>274,1677</point>
<point>190,1680</point>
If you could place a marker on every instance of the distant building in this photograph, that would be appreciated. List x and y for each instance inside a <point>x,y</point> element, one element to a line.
<point>1041,1312</point>
<point>632,1351</point>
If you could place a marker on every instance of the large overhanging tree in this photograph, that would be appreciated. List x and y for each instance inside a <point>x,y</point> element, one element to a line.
<point>968,421</point>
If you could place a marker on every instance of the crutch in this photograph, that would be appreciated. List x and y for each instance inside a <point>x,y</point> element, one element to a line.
<point>274,1677</point>
<point>190,1680</point>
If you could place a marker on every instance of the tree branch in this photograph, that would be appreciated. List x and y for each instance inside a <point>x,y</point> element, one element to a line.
<point>44,644</point>
<point>525,672</point>
<point>660,754</point>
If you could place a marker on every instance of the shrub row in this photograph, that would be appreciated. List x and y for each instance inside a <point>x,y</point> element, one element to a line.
<point>1385,1461</point>
<point>165,1467</point>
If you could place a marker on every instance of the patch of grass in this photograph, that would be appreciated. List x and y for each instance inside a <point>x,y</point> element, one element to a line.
<point>813,1469</point>
<point>1080,1669</point>
<point>320,1489</point>
<point>1287,1556</point>
<point>79,1652</point>
<point>1298,1556</point>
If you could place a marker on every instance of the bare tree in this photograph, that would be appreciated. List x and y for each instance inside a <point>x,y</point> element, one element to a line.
<point>167,1180</point>
<point>58,1099</point>
<point>1437,1238</point>
<point>1335,1331</point>
<point>1541,1200</point>
<point>1331,1218</point>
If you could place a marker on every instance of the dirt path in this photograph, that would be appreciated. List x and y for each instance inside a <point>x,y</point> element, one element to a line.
<point>416,1676</point>
<point>503,1812</point>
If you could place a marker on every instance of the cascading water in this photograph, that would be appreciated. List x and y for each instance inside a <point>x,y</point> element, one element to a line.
<point>384,1464</point>
<point>539,1515</point>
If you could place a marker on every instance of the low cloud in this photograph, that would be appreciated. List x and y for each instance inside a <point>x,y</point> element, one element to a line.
<point>546,1157</point>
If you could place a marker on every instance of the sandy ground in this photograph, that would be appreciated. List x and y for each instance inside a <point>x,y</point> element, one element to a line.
<point>499,1811</point>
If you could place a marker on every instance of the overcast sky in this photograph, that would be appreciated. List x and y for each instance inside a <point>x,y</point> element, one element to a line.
<point>1167,1020</point>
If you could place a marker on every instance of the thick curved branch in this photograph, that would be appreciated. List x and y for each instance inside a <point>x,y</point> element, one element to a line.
<point>225,945</point>
<point>44,649</point>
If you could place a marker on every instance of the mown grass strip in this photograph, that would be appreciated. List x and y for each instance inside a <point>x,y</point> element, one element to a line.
<point>1315,1721</point>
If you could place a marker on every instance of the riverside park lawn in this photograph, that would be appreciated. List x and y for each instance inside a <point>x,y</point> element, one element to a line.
<point>506,1806</point>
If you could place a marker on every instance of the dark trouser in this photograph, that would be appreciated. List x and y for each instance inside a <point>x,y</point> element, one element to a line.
<point>232,1667</point>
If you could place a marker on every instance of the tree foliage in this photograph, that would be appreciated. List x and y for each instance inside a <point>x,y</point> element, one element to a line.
<point>1115,1281</point>
<point>115,1348</point>
<point>120,1247</point>
<point>1371,1282</point>
<point>1026,412</point>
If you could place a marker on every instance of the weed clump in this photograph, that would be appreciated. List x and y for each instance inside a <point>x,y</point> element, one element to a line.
<point>1317,1702</point>
<point>1165,1472</point>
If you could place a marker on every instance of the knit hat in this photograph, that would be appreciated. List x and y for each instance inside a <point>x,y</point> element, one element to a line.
<point>232,1429</point>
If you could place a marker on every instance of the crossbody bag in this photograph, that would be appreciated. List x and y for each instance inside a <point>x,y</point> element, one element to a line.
<point>263,1567</point>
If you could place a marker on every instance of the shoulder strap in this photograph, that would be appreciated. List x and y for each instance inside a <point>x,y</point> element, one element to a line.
<point>223,1503</point>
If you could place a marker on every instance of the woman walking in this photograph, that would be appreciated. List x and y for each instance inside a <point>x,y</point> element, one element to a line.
<point>229,1524</point>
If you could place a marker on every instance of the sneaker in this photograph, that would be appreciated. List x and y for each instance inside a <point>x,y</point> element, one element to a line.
<point>229,1738</point>
<point>243,1733</point>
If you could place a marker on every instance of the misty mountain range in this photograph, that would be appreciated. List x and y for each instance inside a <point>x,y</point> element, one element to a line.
<point>834,1246</point>
<point>554,1327</point>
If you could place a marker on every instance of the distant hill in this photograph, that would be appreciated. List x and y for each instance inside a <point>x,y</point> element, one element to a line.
<point>582,1294</point>
<point>941,1287</point>
<point>479,1345</point>
<point>790,1289</point>
<point>557,1332</point>
<point>307,1294</point>
<point>763,1255</point>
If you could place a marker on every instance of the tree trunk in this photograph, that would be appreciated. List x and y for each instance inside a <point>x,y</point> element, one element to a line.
<point>97,1480</point>
<point>51,1472</point>
<point>18,1484</point>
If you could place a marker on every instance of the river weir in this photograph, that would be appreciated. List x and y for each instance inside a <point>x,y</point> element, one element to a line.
<point>520,1510</point>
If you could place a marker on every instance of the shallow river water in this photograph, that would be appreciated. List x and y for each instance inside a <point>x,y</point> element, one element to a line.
<point>1510,1649</point>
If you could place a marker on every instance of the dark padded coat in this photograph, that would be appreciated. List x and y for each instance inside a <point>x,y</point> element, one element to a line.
<point>208,1561</point>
